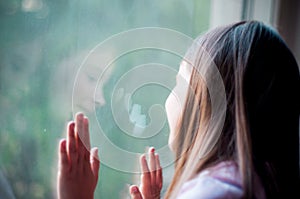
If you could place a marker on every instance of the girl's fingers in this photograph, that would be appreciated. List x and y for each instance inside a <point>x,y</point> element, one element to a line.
<point>71,141</point>
<point>144,164</point>
<point>135,192</point>
<point>145,177</point>
<point>86,134</point>
<point>79,129</point>
<point>80,145</point>
<point>63,156</point>
<point>79,125</point>
<point>71,145</point>
<point>82,136</point>
<point>159,178</point>
<point>85,138</point>
<point>95,162</point>
<point>151,178</point>
<point>152,163</point>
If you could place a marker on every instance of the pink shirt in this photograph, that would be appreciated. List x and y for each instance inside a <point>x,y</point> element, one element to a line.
<point>220,181</point>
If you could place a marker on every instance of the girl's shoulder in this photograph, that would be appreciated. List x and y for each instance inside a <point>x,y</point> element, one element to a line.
<point>220,181</point>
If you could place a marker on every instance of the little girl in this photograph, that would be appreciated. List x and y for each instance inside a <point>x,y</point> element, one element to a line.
<point>252,153</point>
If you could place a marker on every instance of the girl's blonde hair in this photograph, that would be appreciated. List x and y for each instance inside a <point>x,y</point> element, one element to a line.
<point>252,61</point>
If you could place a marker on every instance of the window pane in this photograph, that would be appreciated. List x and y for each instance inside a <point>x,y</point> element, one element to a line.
<point>43,45</point>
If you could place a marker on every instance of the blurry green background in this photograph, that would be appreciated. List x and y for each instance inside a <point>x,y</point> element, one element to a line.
<point>42,43</point>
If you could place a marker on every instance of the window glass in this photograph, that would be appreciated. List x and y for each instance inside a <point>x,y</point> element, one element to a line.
<point>48,73</point>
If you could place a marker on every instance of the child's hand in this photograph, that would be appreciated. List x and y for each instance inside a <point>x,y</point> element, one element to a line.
<point>78,164</point>
<point>151,178</point>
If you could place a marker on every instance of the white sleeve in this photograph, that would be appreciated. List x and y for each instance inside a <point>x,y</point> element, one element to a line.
<point>210,188</point>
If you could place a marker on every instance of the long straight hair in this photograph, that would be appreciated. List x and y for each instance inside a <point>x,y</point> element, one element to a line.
<point>257,70</point>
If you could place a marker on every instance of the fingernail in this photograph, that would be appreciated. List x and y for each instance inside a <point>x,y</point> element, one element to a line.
<point>63,142</point>
<point>96,151</point>
<point>134,190</point>
<point>79,115</point>
<point>152,149</point>
<point>63,145</point>
<point>143,157</point>
<point>71,124</point>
